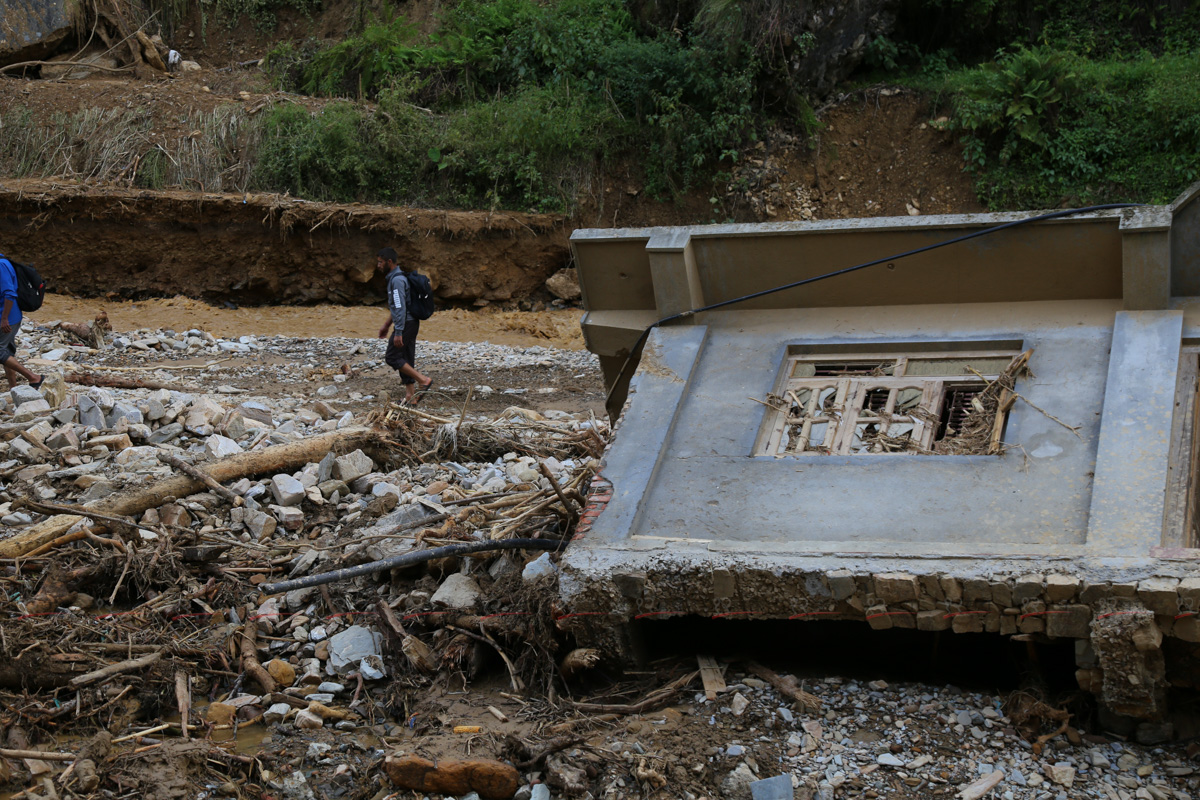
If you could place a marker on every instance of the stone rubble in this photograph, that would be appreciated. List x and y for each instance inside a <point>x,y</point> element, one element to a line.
<point>871,739</point>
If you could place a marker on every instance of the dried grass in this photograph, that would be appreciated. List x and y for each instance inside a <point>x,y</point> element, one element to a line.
<point>118,146</point>
<point>978,434</point>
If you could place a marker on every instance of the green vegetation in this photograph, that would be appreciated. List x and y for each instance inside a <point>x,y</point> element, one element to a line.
<point>520,103</point>
<point>510,103</point>
<point>1083,102</point>
<point>1043,127</point>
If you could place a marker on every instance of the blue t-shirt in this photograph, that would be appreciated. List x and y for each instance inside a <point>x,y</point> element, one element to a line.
<point>8,290</point>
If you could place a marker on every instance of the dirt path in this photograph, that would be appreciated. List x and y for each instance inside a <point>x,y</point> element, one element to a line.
<point>558,329</point>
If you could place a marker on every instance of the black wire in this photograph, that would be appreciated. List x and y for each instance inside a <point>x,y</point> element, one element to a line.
<point>641,340</point>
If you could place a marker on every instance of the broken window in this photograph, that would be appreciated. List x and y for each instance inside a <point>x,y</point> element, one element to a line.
<point>951,403</point>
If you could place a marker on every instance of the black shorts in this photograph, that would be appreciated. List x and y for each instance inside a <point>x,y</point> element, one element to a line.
<point>397,357</point>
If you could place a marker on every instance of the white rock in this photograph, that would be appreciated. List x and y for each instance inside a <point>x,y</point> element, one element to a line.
<point>290,518</point>
<point>24,393</point>
<point>347,648</point>
<point>1061,773</point>
<point>30,409</point>
<point>889,760</point>
<point>353,466</point>
<point>218,447</point>
<point>276,713</point>
<point>538,568</point>
<point>457,591</point>
<point>372,668</point>
<point>287,490</point>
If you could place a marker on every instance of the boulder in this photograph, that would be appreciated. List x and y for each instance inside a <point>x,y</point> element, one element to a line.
<point>347,648</point>
<point>287,490</point>
<point>31,409</point>
<point>353,466</point>
<point>24,393</point>
<point>32,30</point>
<point>218,447</point>
<point>564,284</point>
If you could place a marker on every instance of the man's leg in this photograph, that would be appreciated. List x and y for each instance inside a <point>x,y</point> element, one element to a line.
<point>413,379</point>
<point>8,357</point>
<point>12,368</point>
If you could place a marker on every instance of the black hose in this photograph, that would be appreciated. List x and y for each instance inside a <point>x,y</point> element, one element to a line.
<point>407,559</point>
<point>634,352</point>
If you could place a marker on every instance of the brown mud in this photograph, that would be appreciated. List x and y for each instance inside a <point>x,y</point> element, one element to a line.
<point>551,328</point>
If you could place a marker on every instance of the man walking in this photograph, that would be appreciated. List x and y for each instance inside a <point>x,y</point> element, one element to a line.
<point>10,323</point>
<point>401,352</point>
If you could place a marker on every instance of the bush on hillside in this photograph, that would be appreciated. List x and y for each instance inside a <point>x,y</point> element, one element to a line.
<point>1043,127</point>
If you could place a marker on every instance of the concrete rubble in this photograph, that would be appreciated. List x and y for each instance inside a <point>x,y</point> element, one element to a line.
<point>351,695</point>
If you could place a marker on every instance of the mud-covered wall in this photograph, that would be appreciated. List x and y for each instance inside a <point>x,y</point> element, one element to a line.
<point>266,249</point>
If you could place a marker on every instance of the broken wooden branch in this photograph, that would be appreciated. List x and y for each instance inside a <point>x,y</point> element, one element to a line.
<point>116,669</point>
<point>787,685</point>
<point>279,458</point>
<point>249,654</point>
<point>648,703</point>
<point>408,559</point>
<point>183,699</point>
<point>188,469</point>
<point>106,520</point>
<point>37,754</point>
<point>115,381</point>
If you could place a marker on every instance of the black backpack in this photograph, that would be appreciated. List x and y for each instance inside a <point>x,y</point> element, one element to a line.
<point>31,289</point>
<point>420,295</point>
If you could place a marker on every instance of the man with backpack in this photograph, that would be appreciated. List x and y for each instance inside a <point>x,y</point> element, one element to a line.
<point>20,290</point>
<point>410,300</point>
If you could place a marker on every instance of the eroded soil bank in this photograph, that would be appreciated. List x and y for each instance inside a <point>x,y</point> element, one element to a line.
<point>257,249</point>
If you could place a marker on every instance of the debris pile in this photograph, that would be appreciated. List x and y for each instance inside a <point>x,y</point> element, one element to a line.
<point>218,592</point>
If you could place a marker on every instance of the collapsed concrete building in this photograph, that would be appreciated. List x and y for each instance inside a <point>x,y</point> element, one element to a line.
<point>998,435</point>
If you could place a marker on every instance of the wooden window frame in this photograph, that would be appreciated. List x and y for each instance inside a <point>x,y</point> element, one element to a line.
<point>848,409</point>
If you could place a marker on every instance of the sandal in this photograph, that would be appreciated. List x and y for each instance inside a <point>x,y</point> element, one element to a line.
<point>39,383</point>
<point>421,391</point>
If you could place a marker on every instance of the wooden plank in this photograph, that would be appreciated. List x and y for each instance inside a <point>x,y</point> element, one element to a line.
<point>710,673</point>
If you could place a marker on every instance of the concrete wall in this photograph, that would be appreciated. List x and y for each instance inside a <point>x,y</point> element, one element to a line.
<point>1075,530</point>
<point>887,501</point>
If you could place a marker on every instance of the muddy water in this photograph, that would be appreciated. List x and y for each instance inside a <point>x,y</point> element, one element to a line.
<point>559,328</point>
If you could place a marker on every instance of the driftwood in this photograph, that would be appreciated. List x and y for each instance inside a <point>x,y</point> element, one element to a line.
<point>114,381</point>
<point>183,699</point>
<point>58,589</point>
<point>37,754</point>
<point>787,685</point>
<point>90,333</point>
<point>280,458</point>
<point>188,469</point>
<point>116,669</point>
<point>649,702</point>
<point>38,671</point>
<point>249,652</point>
<point>408,559</point>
